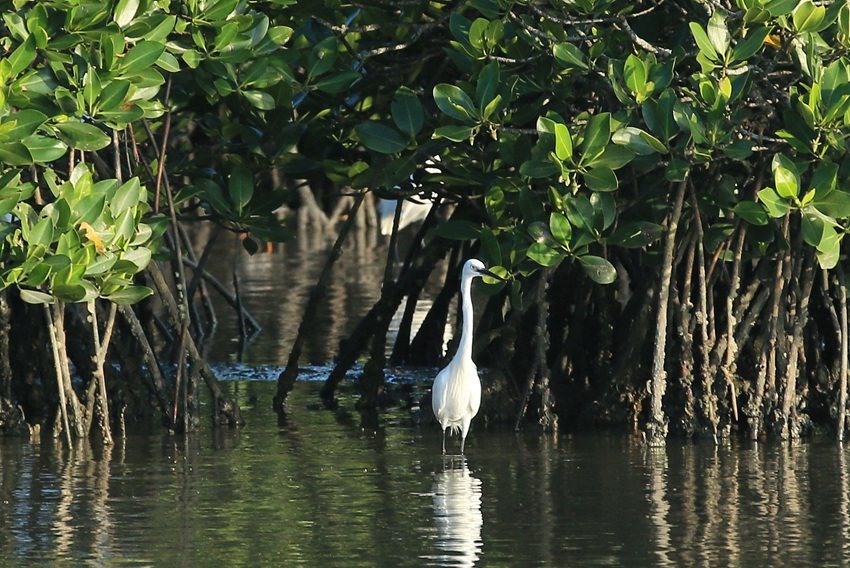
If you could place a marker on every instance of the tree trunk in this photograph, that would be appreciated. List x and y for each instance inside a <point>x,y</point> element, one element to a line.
<point>708,403</point>
<point>789,419</point>
<point>226,409</point>
<point>656,428</point>
<point>842,378</point>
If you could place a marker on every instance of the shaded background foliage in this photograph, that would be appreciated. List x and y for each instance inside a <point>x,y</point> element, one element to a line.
<point>665,183</point>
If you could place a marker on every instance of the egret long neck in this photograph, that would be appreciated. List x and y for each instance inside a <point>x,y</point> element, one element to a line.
<point>465,347</point>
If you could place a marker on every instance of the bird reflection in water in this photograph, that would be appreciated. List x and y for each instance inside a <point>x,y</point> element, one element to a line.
<point>457,515</point>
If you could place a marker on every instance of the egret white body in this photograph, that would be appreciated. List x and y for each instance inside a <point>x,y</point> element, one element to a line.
<point>412,211</point>
<point>456,395</point>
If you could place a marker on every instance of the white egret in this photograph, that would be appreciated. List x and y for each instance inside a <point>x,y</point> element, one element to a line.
<point>456,395</point>
<point>412,211</point>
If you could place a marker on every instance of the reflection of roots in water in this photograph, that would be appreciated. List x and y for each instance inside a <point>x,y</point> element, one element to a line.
<point>708,509</point>
<point>275,287</point>
<point>457,514</point>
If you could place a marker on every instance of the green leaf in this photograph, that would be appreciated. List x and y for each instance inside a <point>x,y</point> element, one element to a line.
<point>101,264</point>
<point>240,187</point>
<point>706,47</point>
<point>835,204</point>
<point>380,138</point>
<point>127,196</point>
<point>829,251</point>
<point>487,85</point>
<point>539,169</point>
<point>259,99</point>
<point>638,141</point>
<point>598,269</point>
<point>531,206</point>
<point>676,170</point>
<point>654,142</point>
<point>82,136</point>
<point>338,82</point>
<point>140,57</point>
<point>280,34</point>
<point>454,132</point>
<point>224,39</point>
<point>42,233</point>
<point>37,276</point>
<point>776,206</point>
<point>407,112</point>
<point>825,178</point>
<point>781,7</point>
<point>476,33</point>
<point>139,258</point>
<point>787,184</point>
<point>212,193</point>
<point>580,212</point>
<point>751,45</point>
<point>458,230</point>
<point>563,142</point>
<point>26,123</point>
<point>601,179</point>
<point>219,10</point>
<point>454,102</point>
<point>323,57</point>
<point>560,228</point>
<point>492,107</point>
<point>78,291</point>
<point>490,246</point>
<point>570,56</point>
<point>739,150</point>
<point>544,255</point>
<point>718,33</point>
<point>88,209</point>
<point>129,295</point>
<point>813,227</point>
<point>807,17</point>
<point>635,74</point>
<point>604,207</point>
<point>15,154</point>
<point>752,212</point>
<point>35,297</point>
<point>22,57</point>
<point>168,62</point>
<point>756,14</point>
<point>43,149</point>
<point>614,157</point>
<point>596,136</point>
<point>125,11</point>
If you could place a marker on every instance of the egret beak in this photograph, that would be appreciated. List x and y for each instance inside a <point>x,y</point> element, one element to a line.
<point>485,272</point>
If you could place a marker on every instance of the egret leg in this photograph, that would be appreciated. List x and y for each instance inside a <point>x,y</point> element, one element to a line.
<point>444,441</point>
<point>462,442</point>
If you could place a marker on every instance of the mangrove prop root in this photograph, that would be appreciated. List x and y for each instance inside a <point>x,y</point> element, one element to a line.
<point>286,379</point>
<point>656,429</point>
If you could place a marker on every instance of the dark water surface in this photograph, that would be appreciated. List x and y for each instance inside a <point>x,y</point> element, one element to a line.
<point>318,490</point>
<point>276,284</point>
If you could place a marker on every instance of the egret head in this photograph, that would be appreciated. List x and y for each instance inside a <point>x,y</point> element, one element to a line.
<point>475,267</point>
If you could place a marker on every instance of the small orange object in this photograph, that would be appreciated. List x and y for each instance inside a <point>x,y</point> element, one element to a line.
<point>774,41</point>
<point>91,235</point>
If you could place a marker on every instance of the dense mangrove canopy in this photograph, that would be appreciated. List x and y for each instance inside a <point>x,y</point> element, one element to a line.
<point>665,184</point>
